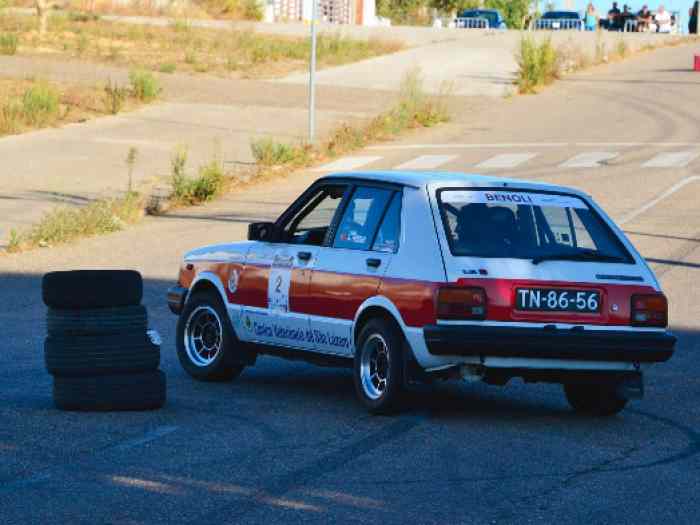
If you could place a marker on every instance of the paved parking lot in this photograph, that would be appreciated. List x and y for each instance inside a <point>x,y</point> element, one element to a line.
<point>288,443</point>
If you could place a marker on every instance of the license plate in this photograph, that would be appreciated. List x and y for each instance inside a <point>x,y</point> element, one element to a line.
<point>553,300</point>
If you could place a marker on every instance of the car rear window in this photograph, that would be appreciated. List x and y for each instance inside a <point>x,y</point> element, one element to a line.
<point>490,16</point>
<point>526,225</point>
<point>561,15</point>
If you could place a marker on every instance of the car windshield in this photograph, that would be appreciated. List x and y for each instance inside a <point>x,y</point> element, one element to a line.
<point>559,15</point>
<point>490,16</point>
<point>526,225</point>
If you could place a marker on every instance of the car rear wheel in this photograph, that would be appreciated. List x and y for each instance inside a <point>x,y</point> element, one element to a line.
<point>595,399</point>
<point>206,344</point>
<point>378,371</point>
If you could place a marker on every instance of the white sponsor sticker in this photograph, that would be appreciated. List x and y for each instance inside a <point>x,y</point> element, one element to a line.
<point>512,197</point>
<point>278,283</point>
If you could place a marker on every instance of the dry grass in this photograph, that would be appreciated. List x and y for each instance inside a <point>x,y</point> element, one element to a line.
<point>64,225</point>
<point>414,109</point>
<point>540,63</point>
<point>33,104</point>
<point>183,48</point>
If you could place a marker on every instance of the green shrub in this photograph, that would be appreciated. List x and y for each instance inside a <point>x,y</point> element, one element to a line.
<point>40,104</point>
<point>268,152</point>
<point>181,25</point>
<point>538,64</point>
<point>144,86</point>
<point>168,67</point>
<point>8,44</point>
<point>208,183</point>
<point>76,16</point>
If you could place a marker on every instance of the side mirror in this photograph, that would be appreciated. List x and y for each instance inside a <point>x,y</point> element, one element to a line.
<point>261,231</point>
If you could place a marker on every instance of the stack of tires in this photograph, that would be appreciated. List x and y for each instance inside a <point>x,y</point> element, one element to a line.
<point>98,348</point>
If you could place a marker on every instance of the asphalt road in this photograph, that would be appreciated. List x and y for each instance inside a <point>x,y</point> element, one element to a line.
<point>288,443</point>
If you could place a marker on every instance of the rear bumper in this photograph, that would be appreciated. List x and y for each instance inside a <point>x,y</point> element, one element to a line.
<point>549,343</point>
<point>176,299</point>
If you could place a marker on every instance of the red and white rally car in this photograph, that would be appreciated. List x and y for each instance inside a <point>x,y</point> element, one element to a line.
<point>410,276</point>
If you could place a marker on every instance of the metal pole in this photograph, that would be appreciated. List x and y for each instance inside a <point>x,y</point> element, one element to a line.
<point>312,75</point>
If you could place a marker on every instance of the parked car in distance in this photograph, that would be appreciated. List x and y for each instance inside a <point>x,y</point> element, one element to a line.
<point>559,20</point>
<point>408,277</point>
<point>480,19</point>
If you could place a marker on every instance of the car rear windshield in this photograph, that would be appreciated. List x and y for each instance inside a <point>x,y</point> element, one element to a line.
<point>526,225</point>
<point>490,16</point>
<point>560,15</point>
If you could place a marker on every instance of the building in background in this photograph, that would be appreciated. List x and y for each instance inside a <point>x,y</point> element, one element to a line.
<point>357,12</point>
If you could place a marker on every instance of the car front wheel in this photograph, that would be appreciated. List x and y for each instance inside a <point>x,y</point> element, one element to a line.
<point>595,399</point>
<point>378,371</point>
<point>206,344</point>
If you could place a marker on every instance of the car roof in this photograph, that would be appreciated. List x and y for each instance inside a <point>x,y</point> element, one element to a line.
<point>421,179</point>
<point>560,12</point>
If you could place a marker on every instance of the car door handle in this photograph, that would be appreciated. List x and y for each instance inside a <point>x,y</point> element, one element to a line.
<point>374,263</point>
<point>304,256</point>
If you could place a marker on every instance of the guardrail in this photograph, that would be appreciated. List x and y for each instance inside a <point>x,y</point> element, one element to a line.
<point>556,24</point>
<point>471,23</point>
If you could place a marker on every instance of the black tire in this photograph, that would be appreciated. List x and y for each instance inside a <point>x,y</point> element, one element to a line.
<point>100,355</point>
<point>381,393</point>
<point>227,361</point>
<point>83,289</point>
<point>100,321</point>
<point>595,399</point>
<point>144,391</point>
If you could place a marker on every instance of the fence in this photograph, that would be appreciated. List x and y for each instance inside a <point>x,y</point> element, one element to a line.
<point>472,23</point>
<point>557,24</point>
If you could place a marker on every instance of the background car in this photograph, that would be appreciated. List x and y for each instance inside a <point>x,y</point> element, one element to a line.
<point>559,20</point>
<point>480,19</point>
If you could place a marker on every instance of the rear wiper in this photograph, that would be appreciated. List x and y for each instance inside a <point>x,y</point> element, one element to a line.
<point>577,256</point>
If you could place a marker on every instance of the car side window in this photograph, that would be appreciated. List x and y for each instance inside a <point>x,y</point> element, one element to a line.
<point>361,218</point>
<point>311,222</point>
<point>387,239</point>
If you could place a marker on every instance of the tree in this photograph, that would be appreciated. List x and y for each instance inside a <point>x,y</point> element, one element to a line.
<point>514,11</point>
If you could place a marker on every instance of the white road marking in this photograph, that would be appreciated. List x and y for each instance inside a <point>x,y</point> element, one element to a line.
<point>588,160</point>
<point>472,146</point>
<point>508,160</point>
<point>426,162</point>
<point>147,144</point>
<point>515,145</point>
<point>673,189</point>
<point>636,144</point>
<point>146,438</point>
<point>677,159</point>
<point>348,163</point>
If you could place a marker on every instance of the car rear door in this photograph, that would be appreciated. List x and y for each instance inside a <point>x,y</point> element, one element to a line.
<point>351,265</point>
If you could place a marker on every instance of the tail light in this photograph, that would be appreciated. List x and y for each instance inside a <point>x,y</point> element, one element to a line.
<point>461,303</point>
<point>649,310</point>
